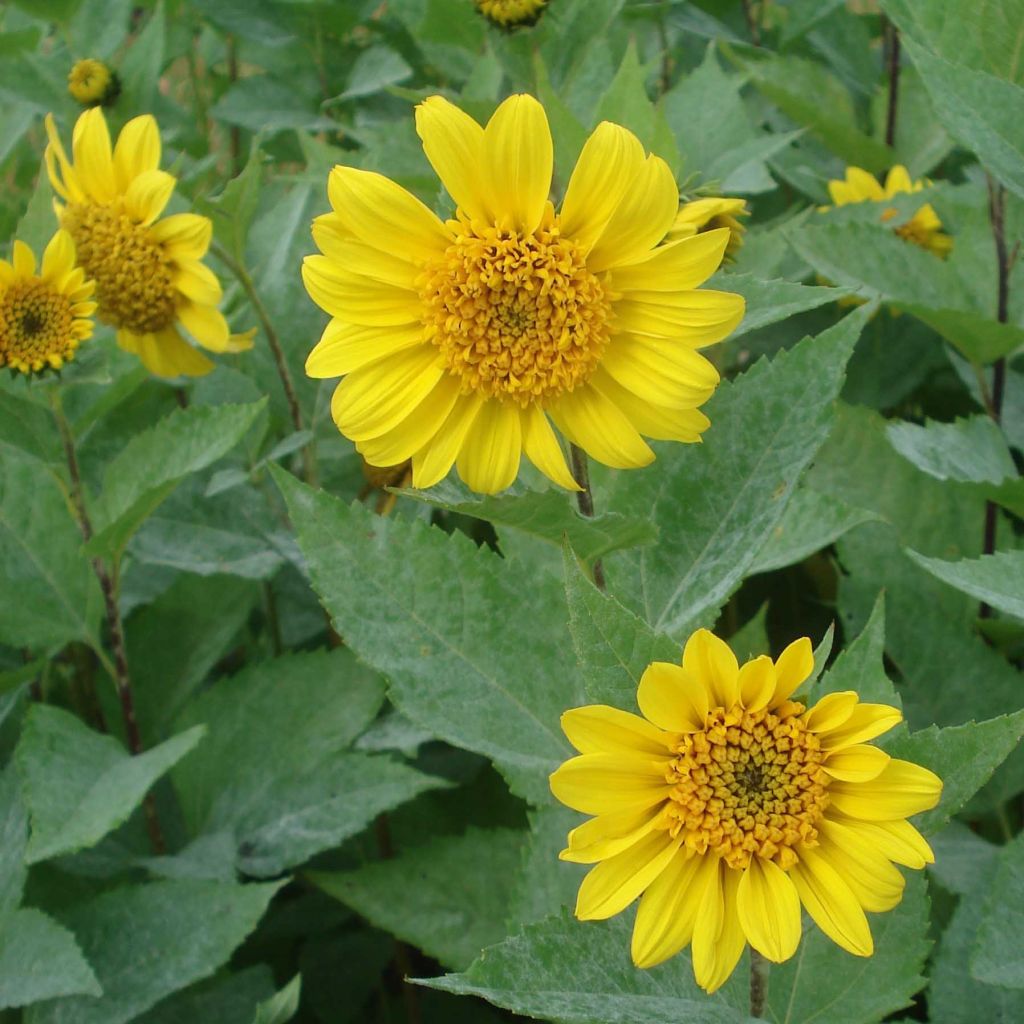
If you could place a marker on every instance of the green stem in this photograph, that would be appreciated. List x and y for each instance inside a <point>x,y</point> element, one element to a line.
<point>585,502</point>
<point>759,968</point>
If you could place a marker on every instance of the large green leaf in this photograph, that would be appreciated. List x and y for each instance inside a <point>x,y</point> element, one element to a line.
<point>79,785</point>
<point>226,999</point>
<point>997,579</point>
<point>769,302</point>
<point>716,504</point>
<point>996,956</point>
<point>446,623</point>
<point>971,450</point>
<point>28,428</point>
<point>13,840</point>
<point>146,941</point>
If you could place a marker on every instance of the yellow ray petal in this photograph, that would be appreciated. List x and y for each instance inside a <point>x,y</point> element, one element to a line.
<point>350,252</point>
<point>656,421</point>
<point>344,347</point>
<point>611,886</point>
<point>167,354</point>
<point>792,667</point>
<point>604,783</point>
<point>672,698</point>
<point>23,258</point>
<point>434,460</point>
<point>148,194</point>
<point>137,150</point>
<point>197,282</point>
<point>694,318</point>
<point>756,682</point>
<point>898,840</point>
<point>857,763</point>
<point>769,910</point>
<point>877,885</point>
<point>832,905</point>
<point>206,324</point>
<point>715,959</point>
<point>598,728</point>
<point>607,835</point>
<point>898,791</point>
<point>662,372</point>
<point>541,447</point>
<point>668,910</point>
<point>488,461</point>
<point>357,299</point>
<point>831,712</point>
<point>589,420</point>
<point>94,165</point>
<point>58,257</point>
<point>711,661</point>
<point>678,266</point>
<point>186,236</point>
<point>65,183</point>
<point>866,721</point>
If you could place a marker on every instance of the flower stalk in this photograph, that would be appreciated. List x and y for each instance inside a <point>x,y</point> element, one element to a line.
<point>585,502</point>
<point>759,968</point>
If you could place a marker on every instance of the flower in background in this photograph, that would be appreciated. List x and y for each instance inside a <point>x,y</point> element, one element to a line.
<point>149,279</point>
<point>709,214</point>
<point>460,341</point>
<point>92,83</point>
<point>729,804</point>
<point>923,229</point>
<point>44,316</point>
<point>511,13</point>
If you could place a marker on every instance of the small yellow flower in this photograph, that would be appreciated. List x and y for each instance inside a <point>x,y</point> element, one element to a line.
<point>149,278</point>
<point>923,229</point>
<point>44,317</point>
<point>92,83</point>
<point>710,213</point>
<point>458,340</point>
<point>511,13</point>
<point>728,805</point>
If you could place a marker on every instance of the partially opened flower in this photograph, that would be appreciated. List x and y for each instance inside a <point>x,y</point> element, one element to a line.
<point>459,339</point>
<point>729,804</point>
<point>45,313</point>
<point>149,279</point>
<point>924,228</point>
<point>92,83</point>
<point>710,213</point>
<point>511,13</point>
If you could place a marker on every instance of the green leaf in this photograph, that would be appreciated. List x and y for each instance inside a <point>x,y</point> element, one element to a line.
<point>548,515</point>
<point>996,579</point>
<point>751,639</point>
<point>373,70</point>
<point>962,858</point>
<point>29,428</point>
<point>228,999</point>
<point>768,302</point>
<point>971,450</point>
<point>39,959</point>
<point>79,785</point>
<point>13,840</point>
<point>449,897</point>
<point>150,466</point>
<point>50,595</point>
<point>38,225</point>
<point>143,63</point>
<point>233,210</point>
<point>996,955</point>
<point>626,102</point>
<point>282,1006</point>
<point>716,504</point>
<point>262,103</point>
<point>147,941</point>
<point>431,612</point>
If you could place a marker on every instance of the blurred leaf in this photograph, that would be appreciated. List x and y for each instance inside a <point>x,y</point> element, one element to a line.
<point>255,20</point>
<point>971,450</point>
<point>996,579</point>
<point>29,428</point>
<point>262,103</point>
<point>374,69</point>
<point>995,958</point>
<point>13,840</point>
<point>49,10</point>
<point>99,27</point>
<point>626,102</point>
<point>233,210</point>
<point>40,959</point>
<point>78,785</point>
<point>768,302</point>
<point>39,224</point>
<point>143,63</point>
<point>410,601</point>
<point>227,999</point>
<point>147,941</point>
<point>282,1006</point>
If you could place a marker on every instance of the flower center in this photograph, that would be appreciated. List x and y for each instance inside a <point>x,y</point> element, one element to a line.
<point>750,782</point>
<point>516,317</point>
<point>36,327</point>
<point>134,284</point>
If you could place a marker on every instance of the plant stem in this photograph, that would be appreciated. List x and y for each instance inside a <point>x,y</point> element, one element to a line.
<point>585,501</point>
<point>108,587</point>
<point>892,39</point>
<point>752,26</point>
<point>235,136</point>
<point>294,409</point>
<point>997,215</point>
<point>758,983</point>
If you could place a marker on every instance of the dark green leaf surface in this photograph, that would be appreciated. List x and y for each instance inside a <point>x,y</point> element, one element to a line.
<point>997,579</point>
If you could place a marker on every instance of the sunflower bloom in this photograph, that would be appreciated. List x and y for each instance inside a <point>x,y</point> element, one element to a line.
<point>44,316</point>
<point>149,279</point>
<point>728,805</point>
<point>92,83</point>
<point>511,13</point>
<point>923,229</point>
<point>710,213</point>
<point>458,340</point>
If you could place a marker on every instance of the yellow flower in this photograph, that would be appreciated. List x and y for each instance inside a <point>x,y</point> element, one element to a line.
<point>149,278</point>
<point>511,13</point>
<point>729,804</point>
<point>923,229</point>
<point>44,317</point>
<point>710,213</point>
<point>459,339</point>
<point>92,83</point>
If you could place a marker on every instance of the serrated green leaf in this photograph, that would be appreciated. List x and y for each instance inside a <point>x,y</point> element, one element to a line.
<point>79,785</point>
<point>768,302</point>
<point>374,69</point>
<point>228,999</point>
<point>39,959</point>
<point>995,959</point>
<point>13,840</point>
<point>716,504</point>
<point>29,428</point>
<point>282,1006</point>
<point>233,209</point>
<point>996,579</point>
<point>962,858</point>
<point>423,607</point>
<point>152,464</point>
<point>626,102</point>
<point>971,450</point>
<point>147,941</point>
<point>449,897</point>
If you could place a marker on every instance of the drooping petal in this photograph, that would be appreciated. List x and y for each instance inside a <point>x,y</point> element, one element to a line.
<point>715,959</point>
<point>433,462</point>
<point>604,783</point>
<point>611,886</point>
<point>489,459</point>
<point>711,661</point>
<point>206,324</point>
<point>662,372</point>
<point>877,885</point>
<point>831,903</point>
<point>608,834</point>
<point>197,282</point>
<point>656,421</point>
<point>792,667</point>
<point>541,447</point>
<point>668,911</point>
<point>598,728</point>
<point>167,354</point>
<point>769,910</point>
<point>901,789</point>
<point>589,420</point>
<point>677,266</point>
<point>672,698</point>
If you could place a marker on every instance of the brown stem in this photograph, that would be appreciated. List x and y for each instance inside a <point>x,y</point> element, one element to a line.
<point>585,502</point>
<point>108,587</point>
<point>752,26</point>
<point>758,983</point>
<point>235,135</point>
<point>892,39</point>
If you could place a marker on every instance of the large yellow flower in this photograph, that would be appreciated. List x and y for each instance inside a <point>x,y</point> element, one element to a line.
<point>149,278</point>
<point>728,805</point>
<point>709,213</point>
<point>510,13</point>
<point>459,339</point>
<point>44,316</point>
<point>923,229</point>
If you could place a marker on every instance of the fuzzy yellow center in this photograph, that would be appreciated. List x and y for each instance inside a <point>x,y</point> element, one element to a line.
<point>511,12</point>
<point>134,284</point>
<point>516,317</point>
<point>750,783</point>
<point>36,327</point>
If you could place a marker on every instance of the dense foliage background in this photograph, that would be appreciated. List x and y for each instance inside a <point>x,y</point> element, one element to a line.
<point>341,805</point>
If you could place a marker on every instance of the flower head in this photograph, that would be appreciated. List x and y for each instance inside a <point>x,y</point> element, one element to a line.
<point>459,339</point>
<point>923,229</point>
<point>511,13</point>
<point>149,278</point>
<point>709,214</point>
<point>92,83</point>
<point>44,316</point>
<point>729,804</point>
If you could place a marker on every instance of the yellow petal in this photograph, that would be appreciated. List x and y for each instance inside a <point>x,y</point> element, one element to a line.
<point>672,698</point>
<point>714,959</point>
<point>897,840</point>
<point>58,257</point>
<point>186,236</point>
<point>858,763</point>
<point>417,429</point>
<point>607,835</point>
<point>668,911</point>
<point>832,711</point>
<point>518,162</point>
<point>611,886</point>
<point>651,420</point>
<point>610,161</point>
<point>94,165</point>
<point>898,791</point>
<point>24,259</point>
<point>866,721</point>
<point>863,186</point>
<point>357,299</point>
<point>898,180</point>
<point>769,910</point>
<point>137,150</point>
<point>206,324</point>
<point>710,661</point>
<point>489,459</point>
<point>678,266</point>
<point>167,354</point>
<point>434,460</point>
<point>694,318</point>
<point>792,667</point>
<point>541,447</point>
<point>756,682</point>
<point>345,347</point>
<point>605,783</point>
<point>350,252</point>
<point>589,420</point>
<point>877,885</point>
<point>148,194</point>
<point>65,183</point>
<point>831,904</point>
<point>197,282</point>
<point>598,728</point>
<point>454,145</point>
<point>662,372</point>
